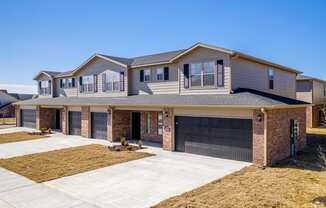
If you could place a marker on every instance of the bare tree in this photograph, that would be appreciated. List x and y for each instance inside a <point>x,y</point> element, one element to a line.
<point>322,157</point>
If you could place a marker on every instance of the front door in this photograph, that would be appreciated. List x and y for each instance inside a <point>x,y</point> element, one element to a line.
<point>57,119</point>
<point>136,125</point>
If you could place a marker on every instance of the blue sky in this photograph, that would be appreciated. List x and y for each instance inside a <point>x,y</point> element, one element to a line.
<point>60,35</point>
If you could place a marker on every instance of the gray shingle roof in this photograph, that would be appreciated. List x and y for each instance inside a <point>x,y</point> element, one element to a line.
<point>305,77</point>
<point>240,99</point>
<point>52,73</point>
<point>155,58</point>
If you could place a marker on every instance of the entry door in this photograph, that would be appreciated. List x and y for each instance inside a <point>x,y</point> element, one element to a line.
<point>57,118</point>
<point>136,125</point>
<point>218,137</point>
<point>74,123</point>
<point>99,125</point>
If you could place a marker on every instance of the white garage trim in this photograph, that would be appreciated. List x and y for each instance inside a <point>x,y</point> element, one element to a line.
<point>28,107</point>
<point>220,113</point>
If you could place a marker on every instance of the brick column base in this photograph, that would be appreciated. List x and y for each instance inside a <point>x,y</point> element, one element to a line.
<point>168,136</point>
<point>85,122</point>
<point>18,115</point>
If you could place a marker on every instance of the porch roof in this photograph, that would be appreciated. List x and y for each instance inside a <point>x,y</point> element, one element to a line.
<point>241,98</point>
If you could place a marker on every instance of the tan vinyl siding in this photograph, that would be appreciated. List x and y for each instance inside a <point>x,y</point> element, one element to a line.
<point>200,55</point>
<point>248,74</point>
<point>318,92</point>
<point>304,90</point>
<point>153,86</point>
<point>100,66</point>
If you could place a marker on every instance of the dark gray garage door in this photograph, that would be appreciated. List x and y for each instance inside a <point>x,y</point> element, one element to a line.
<point>28,118</point>
<point>99,125</point>
<point>74,123</point>
<point>218,137</point>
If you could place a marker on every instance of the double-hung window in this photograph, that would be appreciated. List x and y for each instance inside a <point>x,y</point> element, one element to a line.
<point>147,75</point>
<point>159,74</point>
<point>271,75</point>
<point>88,83</point>
<point>45,87</point>
<point>112,82</point>
<point>202,74</point>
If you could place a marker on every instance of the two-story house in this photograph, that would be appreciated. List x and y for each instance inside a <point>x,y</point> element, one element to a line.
<point>203,100</point>
<point>312,90</point>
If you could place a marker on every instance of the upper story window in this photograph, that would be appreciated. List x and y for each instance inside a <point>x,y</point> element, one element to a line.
<point>271,75</point>
<point>87,83</point>
<point>113,81</point>
<point>159,74</point>
<point>68,83</point>
<point>203,74</point>
<point>45,87</point>
<point>147,75</point>
<point>160,123</point>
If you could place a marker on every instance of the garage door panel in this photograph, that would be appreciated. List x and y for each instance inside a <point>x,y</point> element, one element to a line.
<point>28,118</point>
<point>99,125</point>
<point>218,137</point>
<point>74,123</point>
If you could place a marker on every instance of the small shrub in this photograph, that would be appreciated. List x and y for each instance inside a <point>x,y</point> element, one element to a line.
<point>124,141</point>
<point>140,144</point>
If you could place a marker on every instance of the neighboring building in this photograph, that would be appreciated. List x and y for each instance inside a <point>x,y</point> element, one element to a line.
<point>203,100</point>
<point>7,109</point>
<point>312,90</point>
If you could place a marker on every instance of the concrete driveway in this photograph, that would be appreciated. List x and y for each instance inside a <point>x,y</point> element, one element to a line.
<point>139,183</point>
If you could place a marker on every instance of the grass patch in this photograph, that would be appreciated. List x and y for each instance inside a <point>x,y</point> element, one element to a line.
<point>55,164</point>
<point>7,120</point>
<point>290,184</point>
<point>18,137</point>
<point>317,131</point>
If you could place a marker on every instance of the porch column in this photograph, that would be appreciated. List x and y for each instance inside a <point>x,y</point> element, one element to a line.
<point>259,125</point>
<point>85,122</point>
<point>64,120</point>
<point>168,129</point>
<point>109,124</point>
<point>17,115</point>
<point>37,121</point>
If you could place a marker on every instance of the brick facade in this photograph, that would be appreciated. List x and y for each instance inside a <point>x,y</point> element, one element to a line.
<point>313,117</point>
<point>121,124</point>
<point>277,127</point>
<point>85,122</point>
<point>47,118</point>
<point>152,135</point>
<point>64,120</point>
<point>168,128</point>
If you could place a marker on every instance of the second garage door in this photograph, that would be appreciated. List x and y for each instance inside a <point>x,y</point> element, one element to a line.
<point>219,137</point>
<point>28,118</point>
<point>99,125</point>
<point>74,123</point>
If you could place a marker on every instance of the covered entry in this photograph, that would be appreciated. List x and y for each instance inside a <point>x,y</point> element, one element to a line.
<point>74,122</point>
<point>218,137</point>
<point>99,125</point>
<point>28,118</point>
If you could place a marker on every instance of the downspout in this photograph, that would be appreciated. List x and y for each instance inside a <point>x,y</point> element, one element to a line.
<point>265,136</point>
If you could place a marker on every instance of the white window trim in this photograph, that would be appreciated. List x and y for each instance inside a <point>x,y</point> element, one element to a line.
<point>202,75</point>
<point>150,73</point>
<point>271,77</point>
<point>161,73</point>
<point>112,77</point>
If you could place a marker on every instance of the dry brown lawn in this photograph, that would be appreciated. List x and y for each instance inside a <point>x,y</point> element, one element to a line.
<point>7,120</point>
<point>55,164</point>
<point>288,185</point>
<point>18,137</point>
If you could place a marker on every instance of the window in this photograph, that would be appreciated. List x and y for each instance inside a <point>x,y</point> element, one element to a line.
<point>45,87</point>
<point>148,123</point>
<point>202,74</point>
<point>67,83</point>
<point>271,79</point>
<point>160,123</point>
<point>147,75</point>
<point>88,83</point>
<point>112,81</point>
<point>159,74</point>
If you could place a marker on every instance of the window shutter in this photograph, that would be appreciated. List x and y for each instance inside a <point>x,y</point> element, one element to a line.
<point>141,75</point>
<point>80,84</point>
<point>186,75</point>
<point>166,73</point>
<point>50,86</point>
<point>39,87</point>
<point>219,73</point>
<point>103,82</point>
<point>60,83</point>
<point>73,82</point>
<point>122,82</point>
<point>95,82</point>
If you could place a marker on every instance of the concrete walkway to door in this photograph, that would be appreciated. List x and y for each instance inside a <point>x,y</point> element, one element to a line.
<point>139,183</point>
